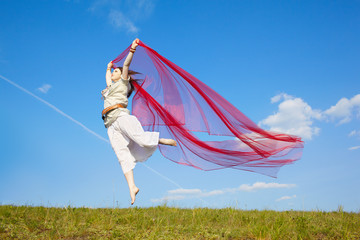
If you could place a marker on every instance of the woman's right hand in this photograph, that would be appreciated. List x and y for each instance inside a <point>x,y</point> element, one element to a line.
<point>110,65</point>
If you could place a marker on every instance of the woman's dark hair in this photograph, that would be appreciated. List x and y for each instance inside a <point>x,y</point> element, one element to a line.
<point>130,73</point>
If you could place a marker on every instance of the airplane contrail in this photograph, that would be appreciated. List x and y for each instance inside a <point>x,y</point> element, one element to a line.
<point>55,108</point>
<point>78,123</point>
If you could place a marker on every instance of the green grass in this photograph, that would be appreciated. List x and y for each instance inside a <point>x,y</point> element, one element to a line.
<point>24,222</point>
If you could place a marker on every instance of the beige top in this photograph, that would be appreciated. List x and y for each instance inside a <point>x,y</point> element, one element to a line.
<point>116,93</point>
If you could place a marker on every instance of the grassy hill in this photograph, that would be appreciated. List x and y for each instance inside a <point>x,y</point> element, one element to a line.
<point>26,222</point>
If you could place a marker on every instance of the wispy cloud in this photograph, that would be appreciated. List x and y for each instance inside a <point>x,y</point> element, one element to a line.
<point>125,14</point>
<point>181,193</point>
<point>97,5</point>
<point>74,1</point>
<point>120,21</point>
<point>281,96</point>
<point>44,88</point>
<point>354,133</point>
<point>141,9</point>
<point>286,198</point>
<point>354,148</point>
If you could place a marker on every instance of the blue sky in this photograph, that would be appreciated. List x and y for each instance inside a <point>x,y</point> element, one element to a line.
<point>290,66</point>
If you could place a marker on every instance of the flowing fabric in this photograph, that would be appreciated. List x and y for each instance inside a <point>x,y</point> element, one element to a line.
<point>173,102</point>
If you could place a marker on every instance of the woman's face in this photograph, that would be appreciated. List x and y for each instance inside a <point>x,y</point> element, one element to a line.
<point>116,75</point>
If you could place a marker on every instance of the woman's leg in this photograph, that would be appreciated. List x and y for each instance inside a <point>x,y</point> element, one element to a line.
<point>120,133</point>
<point>165,141</point>
<point>119,143</point>
<point>132,187</point>
<point>132,128</point>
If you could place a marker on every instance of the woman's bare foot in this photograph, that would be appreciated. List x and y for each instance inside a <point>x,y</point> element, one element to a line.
<point>166,141</point>
<point>133,193</point>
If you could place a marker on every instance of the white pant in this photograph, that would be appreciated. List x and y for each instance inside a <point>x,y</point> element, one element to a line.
<point>130,142</point>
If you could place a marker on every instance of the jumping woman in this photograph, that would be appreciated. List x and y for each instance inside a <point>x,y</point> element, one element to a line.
<point>127,137</point>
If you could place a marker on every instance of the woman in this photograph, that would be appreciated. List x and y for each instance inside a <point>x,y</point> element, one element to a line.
<point>127,137</point>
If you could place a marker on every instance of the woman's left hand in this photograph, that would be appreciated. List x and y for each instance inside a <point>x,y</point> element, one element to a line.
<point>110,65</point>
<point>135,43</point>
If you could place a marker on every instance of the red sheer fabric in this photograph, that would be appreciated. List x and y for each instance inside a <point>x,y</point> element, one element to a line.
<point>173,102</point>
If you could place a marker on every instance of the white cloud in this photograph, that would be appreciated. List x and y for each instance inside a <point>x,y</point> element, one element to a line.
<point>294,116</point>
<point>168,198</point>
<point>185,191</point>
<point>44,88</point>
<point>181,193</point>
<point>344,109</point>
<point>286,198</point>
<point>262,185</point>
<point>354,148</point>
<point>213,193</point>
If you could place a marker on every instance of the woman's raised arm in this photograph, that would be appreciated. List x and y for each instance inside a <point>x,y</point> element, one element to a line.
<point>108,73</point>
<point>128,59</point>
